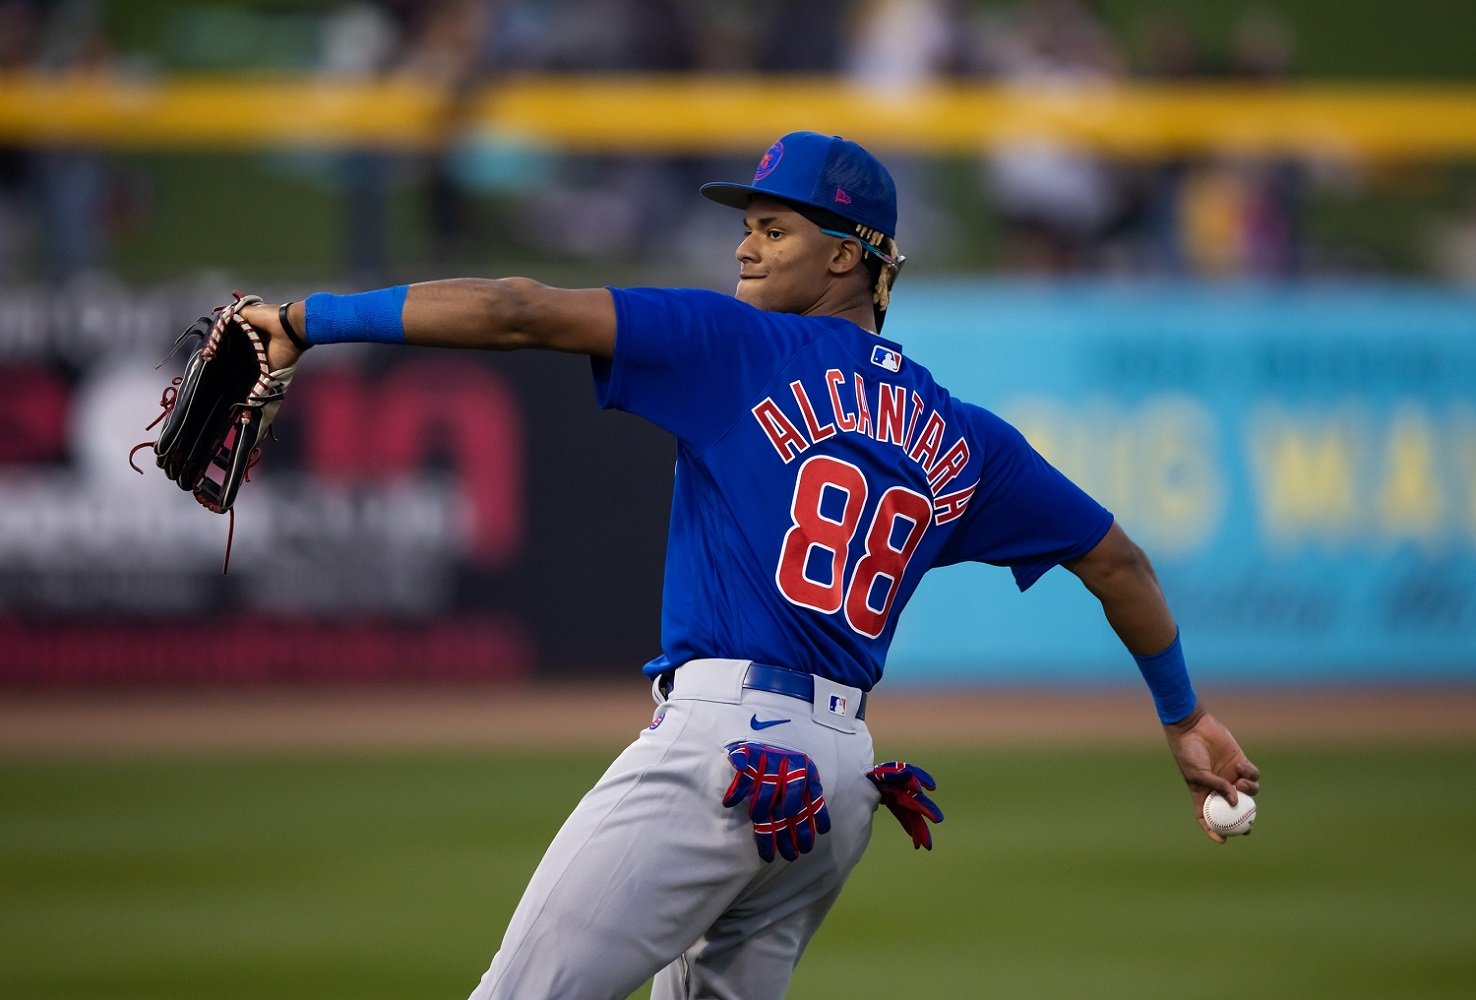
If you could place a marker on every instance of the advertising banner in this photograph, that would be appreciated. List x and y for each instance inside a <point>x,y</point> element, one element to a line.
<point>1298,461</point>
<point>423,515</point>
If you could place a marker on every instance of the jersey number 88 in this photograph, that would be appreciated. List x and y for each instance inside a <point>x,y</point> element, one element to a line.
<point>821,534</point>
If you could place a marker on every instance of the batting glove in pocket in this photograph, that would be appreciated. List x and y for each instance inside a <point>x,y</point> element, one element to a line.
<point>902,788</point>
<point>785,800</point>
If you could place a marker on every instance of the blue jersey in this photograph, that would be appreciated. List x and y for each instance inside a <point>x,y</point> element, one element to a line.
<point>820,473</point>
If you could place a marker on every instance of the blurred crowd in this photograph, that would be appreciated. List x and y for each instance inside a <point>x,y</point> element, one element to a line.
<point>1042,207</point>
<point>58,205</point>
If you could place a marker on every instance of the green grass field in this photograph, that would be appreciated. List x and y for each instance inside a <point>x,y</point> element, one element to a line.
<point>1059,873</point>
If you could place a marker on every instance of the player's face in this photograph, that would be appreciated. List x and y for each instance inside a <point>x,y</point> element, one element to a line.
<point>783,261</point>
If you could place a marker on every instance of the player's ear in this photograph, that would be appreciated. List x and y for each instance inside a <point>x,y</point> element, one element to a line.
<point>846,257</point>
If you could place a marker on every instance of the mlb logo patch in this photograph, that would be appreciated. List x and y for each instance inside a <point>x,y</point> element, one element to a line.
<point>885,357</point>
<point>838,704</point>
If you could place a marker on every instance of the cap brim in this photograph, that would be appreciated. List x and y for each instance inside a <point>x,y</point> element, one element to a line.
<point>732,195</point>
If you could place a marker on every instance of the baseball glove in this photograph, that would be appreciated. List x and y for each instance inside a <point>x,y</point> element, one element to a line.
<point>217,413</point>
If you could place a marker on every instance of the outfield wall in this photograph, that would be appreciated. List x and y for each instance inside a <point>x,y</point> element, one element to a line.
<point>1300,461</point>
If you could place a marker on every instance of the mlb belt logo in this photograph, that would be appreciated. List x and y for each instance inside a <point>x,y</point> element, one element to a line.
<point>885,357</point>
<point>838,704</point>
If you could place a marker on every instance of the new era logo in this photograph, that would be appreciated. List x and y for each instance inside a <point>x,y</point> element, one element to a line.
<point>841,198</point>
<point>885,357</point>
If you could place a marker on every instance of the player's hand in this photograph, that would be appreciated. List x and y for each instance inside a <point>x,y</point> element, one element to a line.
<point>785,800</point>
<point>281,351</point>
<point>902,786</point>
<point>1211,761</point>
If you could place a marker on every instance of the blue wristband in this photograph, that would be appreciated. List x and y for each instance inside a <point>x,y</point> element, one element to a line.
<point>368,317</point>
<point>1168,681</point>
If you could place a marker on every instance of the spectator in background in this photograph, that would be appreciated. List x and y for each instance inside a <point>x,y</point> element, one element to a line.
<point>1263,51</point>
<point>447,45</point>
<point>1453,243</point>
<point>804,37</point>
<point>894,50</point>
<point>361,41</point>
<point>18,53</point>
<point>442,44</point>
<point>1234,214</point>
<point>619,205</point>
<point>73,193</point>
<point>1059,205</point>
<point>1171,54</point>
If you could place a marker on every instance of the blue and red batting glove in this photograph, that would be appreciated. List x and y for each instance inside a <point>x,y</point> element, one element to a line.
<point>785,800</point>
<point>902,786</point>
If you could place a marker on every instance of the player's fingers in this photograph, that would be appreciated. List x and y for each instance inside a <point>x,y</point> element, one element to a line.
<point>921,836</point>
<point>920,804</point>
<point>922,777</point>
<point>929,808</point>
<point>1246,769</point>
<point>1207,781</point>
<point>822,817</point>
<point>764,800</point>
<point>788,839</point>
<point>738,789</point>
<point>791,790</point>
<point>804,834</point>
<point>765,842</point>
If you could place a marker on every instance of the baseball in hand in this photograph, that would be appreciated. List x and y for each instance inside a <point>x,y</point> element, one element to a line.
<point>1228,820</point>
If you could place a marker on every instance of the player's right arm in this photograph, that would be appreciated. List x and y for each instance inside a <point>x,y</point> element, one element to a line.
<point>499,314</point>
<point>1120,575</point>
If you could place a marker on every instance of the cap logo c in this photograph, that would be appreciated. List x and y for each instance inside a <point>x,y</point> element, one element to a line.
<point>769,162</point>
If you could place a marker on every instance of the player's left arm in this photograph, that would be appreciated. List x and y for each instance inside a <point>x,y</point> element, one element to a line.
<point>1120,575</point>
<point>500,314</point>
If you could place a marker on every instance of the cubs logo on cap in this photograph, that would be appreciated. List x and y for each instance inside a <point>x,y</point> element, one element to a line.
<point>769,162</point>
<point>819,171</point>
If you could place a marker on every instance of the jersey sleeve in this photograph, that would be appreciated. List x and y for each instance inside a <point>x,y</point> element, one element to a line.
<point>687,359</point>
<point>1025,513</point>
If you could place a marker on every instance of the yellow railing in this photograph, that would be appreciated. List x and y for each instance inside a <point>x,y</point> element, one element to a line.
<point>705,114</point>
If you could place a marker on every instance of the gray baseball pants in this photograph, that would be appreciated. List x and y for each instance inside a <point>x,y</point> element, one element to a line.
<point>652,876</point>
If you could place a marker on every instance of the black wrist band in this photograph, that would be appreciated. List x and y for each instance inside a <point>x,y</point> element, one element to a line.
<point>302,345</point>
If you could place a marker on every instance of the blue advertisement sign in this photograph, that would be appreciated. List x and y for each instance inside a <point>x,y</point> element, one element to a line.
<point>1298,461</point>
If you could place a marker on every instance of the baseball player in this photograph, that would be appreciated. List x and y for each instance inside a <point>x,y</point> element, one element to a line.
<point>821,472</point>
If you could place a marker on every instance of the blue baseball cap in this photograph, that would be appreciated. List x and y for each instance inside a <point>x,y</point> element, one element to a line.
<point>823,172</point>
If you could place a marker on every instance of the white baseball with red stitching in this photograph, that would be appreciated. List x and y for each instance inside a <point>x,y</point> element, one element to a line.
<point>1228,820</point>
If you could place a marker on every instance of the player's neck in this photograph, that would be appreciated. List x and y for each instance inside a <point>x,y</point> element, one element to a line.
<point>850,308</point>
